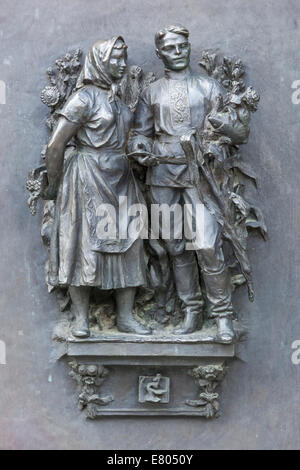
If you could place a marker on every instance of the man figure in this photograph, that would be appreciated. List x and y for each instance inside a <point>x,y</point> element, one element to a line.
<point>168,108</point>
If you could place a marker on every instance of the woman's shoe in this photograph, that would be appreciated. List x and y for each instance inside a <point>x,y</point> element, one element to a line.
<point>128,324</point>
<point>80,328</point>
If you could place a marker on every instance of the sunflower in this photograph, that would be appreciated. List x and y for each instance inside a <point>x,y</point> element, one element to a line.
<point>50,96</point>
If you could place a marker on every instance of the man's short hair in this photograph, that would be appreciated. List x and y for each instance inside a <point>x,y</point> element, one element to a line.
<point>177,29</point>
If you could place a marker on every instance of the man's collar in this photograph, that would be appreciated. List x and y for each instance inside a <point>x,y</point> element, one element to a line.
<point>179,75</point>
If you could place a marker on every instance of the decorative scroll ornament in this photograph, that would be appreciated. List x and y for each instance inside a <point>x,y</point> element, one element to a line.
<point>89,378</point>
<point>207,378</point>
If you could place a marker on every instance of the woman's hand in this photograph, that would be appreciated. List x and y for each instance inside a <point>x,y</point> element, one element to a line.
<point>50,191</point>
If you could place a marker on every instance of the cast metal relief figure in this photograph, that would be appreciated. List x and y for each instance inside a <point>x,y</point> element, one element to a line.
<point>183,103</point>
<point>96,172</point>
<point>186,132</point>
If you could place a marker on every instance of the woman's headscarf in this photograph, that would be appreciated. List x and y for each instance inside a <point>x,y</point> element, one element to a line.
<point>95,68</point>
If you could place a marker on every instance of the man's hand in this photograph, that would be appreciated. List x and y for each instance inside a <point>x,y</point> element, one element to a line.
<point>141,153</point>
<point>144,158</point>
<point>228,125</point>
<point>147,160</point>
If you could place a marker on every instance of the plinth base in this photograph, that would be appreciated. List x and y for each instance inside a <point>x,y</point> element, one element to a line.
<point>131,375</point>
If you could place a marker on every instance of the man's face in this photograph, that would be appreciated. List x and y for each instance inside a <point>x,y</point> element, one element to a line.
<point>174,50</point>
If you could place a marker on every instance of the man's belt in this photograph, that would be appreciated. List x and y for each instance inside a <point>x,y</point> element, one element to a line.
<point>167,139</point>
<point>173,159</point>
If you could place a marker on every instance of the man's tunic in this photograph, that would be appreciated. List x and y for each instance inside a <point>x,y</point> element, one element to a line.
<point>167,109</point>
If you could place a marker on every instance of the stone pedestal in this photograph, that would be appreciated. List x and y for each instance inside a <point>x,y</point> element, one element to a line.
<point>131,375</point>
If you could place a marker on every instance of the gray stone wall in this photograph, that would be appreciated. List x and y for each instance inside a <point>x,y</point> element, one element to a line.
<point>260,398</point>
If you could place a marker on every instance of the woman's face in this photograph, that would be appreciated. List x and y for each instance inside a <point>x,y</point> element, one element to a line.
<point>117,61</point>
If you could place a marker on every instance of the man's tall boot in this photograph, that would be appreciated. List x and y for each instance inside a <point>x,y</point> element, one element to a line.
<point>186,275</point>
<point>218,292</point>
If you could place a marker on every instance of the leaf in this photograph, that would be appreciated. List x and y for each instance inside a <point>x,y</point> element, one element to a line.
<point>195,403</point>
<point>237,280</point>
<point>208,62</point>
<point>257,221</point>
<point>242,166</point>
<point>104,400</point>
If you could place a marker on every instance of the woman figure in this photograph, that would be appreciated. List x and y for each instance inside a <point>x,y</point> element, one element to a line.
<point>95,174</point>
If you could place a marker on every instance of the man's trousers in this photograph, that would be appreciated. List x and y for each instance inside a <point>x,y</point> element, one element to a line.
<point>192,229</point>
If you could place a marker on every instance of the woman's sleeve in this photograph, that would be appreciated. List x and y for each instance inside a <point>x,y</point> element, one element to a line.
<point>79,107</point>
